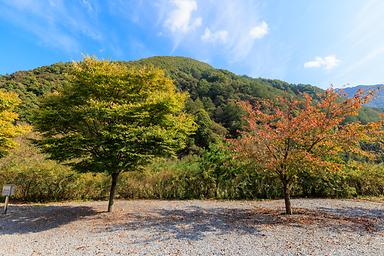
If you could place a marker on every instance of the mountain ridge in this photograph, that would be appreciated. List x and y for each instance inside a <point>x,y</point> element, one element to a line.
<point>378,98</point>
<point>213,92</point>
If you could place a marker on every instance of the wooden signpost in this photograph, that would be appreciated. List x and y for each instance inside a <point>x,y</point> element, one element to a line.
<point>8,190</point>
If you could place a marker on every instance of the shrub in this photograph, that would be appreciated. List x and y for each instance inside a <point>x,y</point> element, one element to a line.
<point>214,174</point>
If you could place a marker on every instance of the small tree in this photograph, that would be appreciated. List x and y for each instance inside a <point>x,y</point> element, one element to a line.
<point>288,135</point>
<point>9,128</point>
<point>113,118</point>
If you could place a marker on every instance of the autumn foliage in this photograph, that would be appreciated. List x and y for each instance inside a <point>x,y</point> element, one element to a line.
<point>10,128</point>
<point>287,135</point>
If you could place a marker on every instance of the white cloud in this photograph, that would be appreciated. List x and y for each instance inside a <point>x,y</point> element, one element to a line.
<point>328,62</point>
<point>235,25</point>
<point>217,36</point>
<point>180,18</point>
<point>259,31</point>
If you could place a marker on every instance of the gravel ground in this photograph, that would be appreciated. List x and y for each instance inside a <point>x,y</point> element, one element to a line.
<point>318,227</point>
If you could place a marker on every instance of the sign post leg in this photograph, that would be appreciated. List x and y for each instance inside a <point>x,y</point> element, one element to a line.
<point>6,204</point>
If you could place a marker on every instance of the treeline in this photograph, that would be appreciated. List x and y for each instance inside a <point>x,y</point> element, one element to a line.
<point>205,168</point>
<point>213,175</point>
<point>213,93</point>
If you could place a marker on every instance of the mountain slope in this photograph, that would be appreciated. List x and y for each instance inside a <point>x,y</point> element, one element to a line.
<point>192,75</point>
<point>377,101</point>
<point>213,92</point>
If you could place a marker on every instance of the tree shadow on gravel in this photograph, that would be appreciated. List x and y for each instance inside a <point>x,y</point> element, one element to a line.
<point>22,219</point>
<point>347,219</point>
<point>354,212</point>
<point>368,220</point>
<point>194,223</point>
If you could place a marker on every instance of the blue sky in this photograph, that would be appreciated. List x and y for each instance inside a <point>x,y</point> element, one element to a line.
<point>320,42</point>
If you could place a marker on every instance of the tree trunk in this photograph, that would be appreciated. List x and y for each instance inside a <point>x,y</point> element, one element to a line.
<point>114,177</point>
<point>287,199</point>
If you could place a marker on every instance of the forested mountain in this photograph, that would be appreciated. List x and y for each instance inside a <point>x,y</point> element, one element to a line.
<point>213,92</point>
<point>378,99</point>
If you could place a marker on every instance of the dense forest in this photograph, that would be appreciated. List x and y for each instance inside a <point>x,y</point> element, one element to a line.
<point>213,93</point>
<point>204,169</point>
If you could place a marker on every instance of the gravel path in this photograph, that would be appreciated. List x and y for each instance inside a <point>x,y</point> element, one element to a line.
<point>319,227</point>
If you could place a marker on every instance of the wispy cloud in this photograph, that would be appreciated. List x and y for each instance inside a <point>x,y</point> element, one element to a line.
<point>55,23</point>
<point>216,36</point>
<point>236,25</point>
<point>180,18</point>
<point>242,21</point>
<point>328,62</point>
<point>88,5</point>
<point>259,31</point>
<point>363,62</point>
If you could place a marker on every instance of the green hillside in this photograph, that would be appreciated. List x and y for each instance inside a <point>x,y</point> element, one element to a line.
<point>213,92</point>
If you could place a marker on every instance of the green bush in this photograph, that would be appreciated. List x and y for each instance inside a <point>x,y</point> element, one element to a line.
<point>38,179</point>
<point>323,184</point>
<point>213,175</point>
<point>49,181</point>
<point>368,180</point>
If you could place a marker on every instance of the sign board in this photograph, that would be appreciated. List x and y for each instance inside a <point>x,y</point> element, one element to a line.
<point>8,190</point>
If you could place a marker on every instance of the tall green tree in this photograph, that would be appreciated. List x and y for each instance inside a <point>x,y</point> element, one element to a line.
<point>113,118</point>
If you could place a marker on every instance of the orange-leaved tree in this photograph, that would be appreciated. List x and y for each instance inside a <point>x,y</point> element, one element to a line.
<point>288,135</point>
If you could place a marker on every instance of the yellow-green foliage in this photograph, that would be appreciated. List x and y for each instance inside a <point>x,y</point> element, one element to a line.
<point>9,129</point>
<point>163,179</point>
<point>213,175</point>
<point>38,179</point>
<point>114,118</point>
<point>367,179</point>
<point>216,89</point>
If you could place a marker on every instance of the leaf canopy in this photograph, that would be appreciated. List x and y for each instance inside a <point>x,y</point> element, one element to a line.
<point>9,128</point>
<point>113,118</point>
